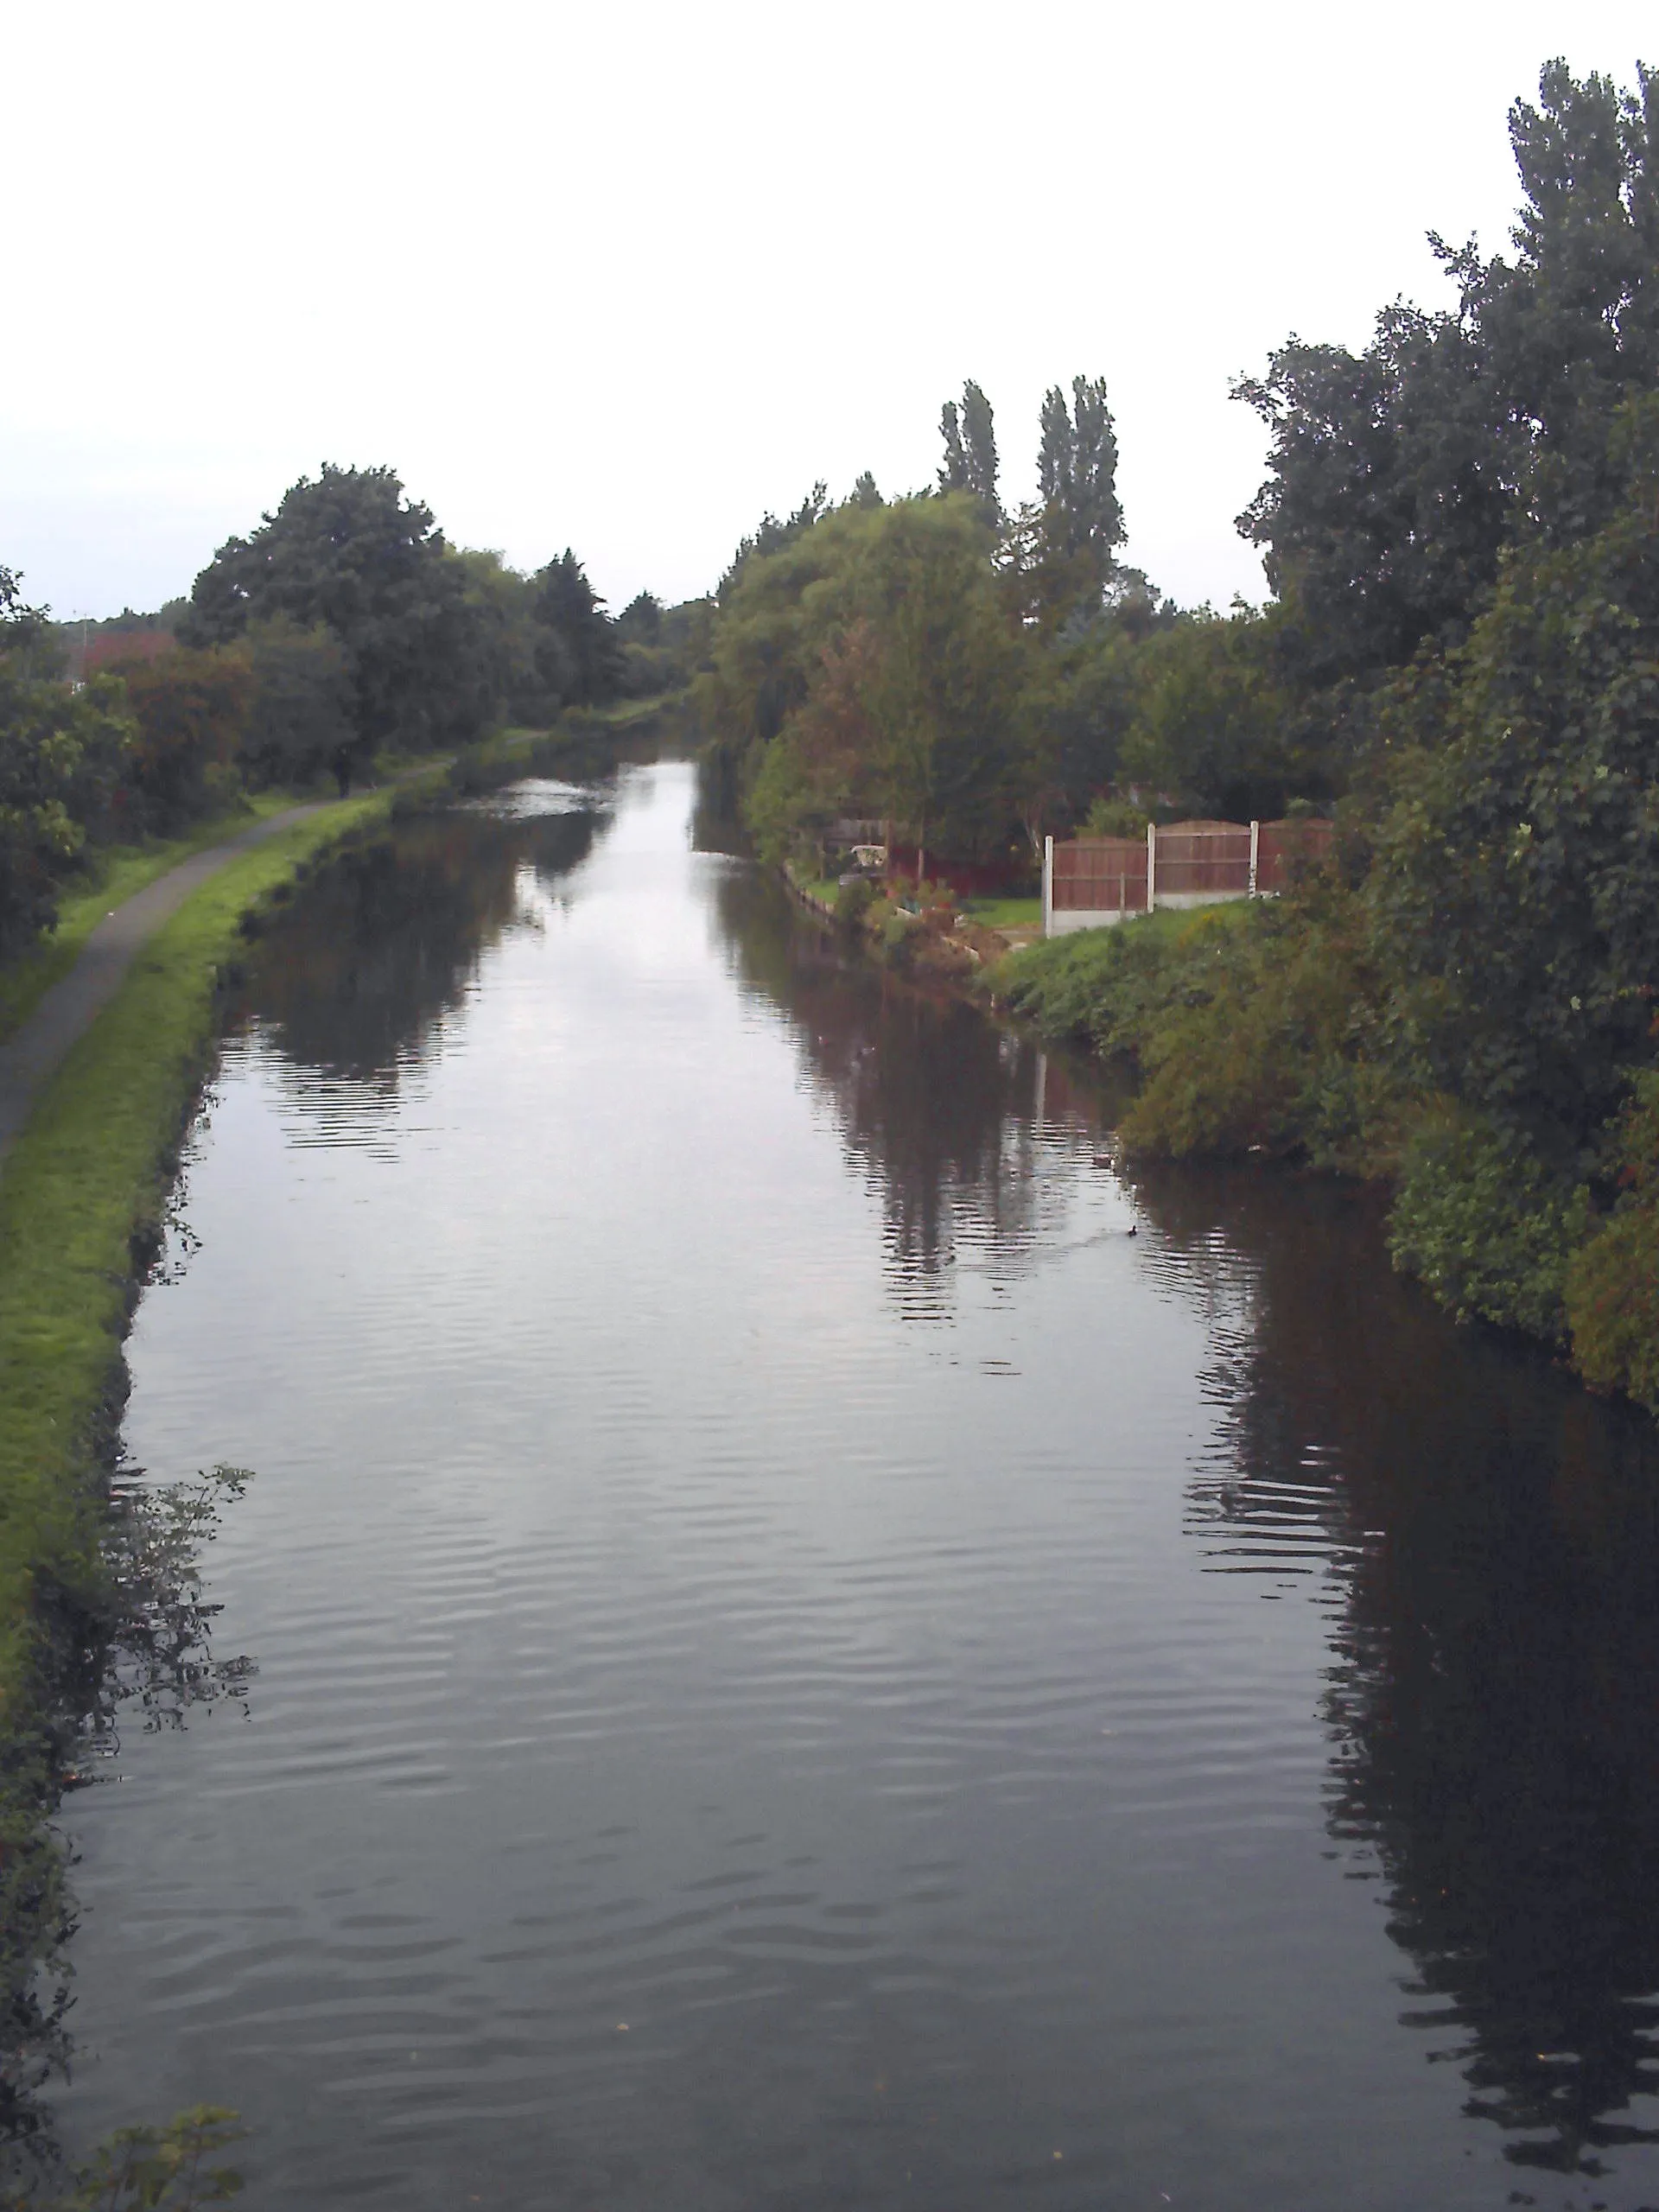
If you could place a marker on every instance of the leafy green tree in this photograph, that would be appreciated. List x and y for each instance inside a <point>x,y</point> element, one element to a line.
<point>1209,724</point>
<point>1397,475</point>
<point>870,662</point>
<point>348,551</point>
<point>1517,871</point>
<point>192,708</point>
<point>640,622</point>
<point>578,647</point>
<point>865,492</point>
<point>300,714</point>
<point>63,761</point>
<point>23,629</point>
<point>64,757</point>
<point>772,535</point>
<point>943,693</point>
<point>1077,705</point>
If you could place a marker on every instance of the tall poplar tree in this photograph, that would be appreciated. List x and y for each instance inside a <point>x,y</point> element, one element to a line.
<point>1079,525</point>
<point>970,461</point>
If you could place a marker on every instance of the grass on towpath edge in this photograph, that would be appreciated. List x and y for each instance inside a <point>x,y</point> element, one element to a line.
<point>82,1197</point>
<point>119,871</point>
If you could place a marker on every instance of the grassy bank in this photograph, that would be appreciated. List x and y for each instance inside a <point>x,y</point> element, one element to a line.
<point>116,873</point>
<point>83,1191</point>
<point>81,1200</point>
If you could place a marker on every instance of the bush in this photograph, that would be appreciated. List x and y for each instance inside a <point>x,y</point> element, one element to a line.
<point>1613,1307</point>
<point>896,933</point>
<point>1613,1283</point>
<point>191,709</point>
<point>63,756</point>
<point>854,901</point>
<point>1484,1225</point>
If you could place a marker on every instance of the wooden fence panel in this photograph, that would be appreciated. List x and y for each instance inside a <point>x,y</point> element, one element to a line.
<point>1205,858</point>
<point>1100,875</point>
<point>1283,845</point>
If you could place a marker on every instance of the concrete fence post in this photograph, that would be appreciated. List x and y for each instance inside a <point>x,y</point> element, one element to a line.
<point>1048,885</point>
<point>1152,865</point>
<point>1255,848</point>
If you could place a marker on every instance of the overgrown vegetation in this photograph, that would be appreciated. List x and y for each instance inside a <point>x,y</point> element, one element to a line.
<point>1461,525</point>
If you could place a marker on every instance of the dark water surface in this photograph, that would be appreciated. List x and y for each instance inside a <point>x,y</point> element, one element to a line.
<point>800,1666</point>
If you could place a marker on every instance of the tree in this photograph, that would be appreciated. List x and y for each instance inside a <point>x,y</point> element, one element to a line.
<point>23,628</point>
<point>1517,879</point>
<point>945,671</point>
<point>1381,522</point>
<point>772,536</point>
<point>300,716</point>
<point>1209,725</point>
<point>579,647</point>
<point>970,462</point>
<point>348,551</point>
<point>62,759</point>
<point>1070,540</point>
<point>1078,703</point>
<point>1397,475</point>
<point>870,662</point>
<point>640,622</point>
<point>192,708</point>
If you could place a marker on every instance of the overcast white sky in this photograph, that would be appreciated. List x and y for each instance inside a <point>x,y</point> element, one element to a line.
<point>622,277</point>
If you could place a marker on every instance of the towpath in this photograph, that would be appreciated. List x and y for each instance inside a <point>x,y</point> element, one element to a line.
<point>30,1057</point>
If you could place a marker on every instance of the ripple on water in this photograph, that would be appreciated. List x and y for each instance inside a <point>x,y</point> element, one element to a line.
<point>765,1693</point>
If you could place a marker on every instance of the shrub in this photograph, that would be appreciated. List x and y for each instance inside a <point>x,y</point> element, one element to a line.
<point>853,902</point>
<point>1484,1225</point>
<point>1613,1283</point>
<point>191,709</point>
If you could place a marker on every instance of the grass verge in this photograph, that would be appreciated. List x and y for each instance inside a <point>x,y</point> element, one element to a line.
<point>81,1201</point>
<point>119,870</point>
<point>1005,913</point>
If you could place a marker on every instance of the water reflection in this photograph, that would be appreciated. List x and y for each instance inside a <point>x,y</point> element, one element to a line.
<point>355,977</point>
<point>1493,1542</point>
<point>1483,1536</point>
<point>938,1109</point>
<point>713,1745</point>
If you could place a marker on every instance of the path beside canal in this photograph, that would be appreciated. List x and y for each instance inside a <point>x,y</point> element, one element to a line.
<point>67,1012</point>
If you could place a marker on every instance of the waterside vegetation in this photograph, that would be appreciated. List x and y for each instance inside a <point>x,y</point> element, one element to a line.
<point>1460,527</point>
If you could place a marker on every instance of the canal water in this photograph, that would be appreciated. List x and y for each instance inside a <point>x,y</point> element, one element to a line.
<point>797,1663</point>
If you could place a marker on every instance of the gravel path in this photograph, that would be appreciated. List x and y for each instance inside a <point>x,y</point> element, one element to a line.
<point>32,1057</point>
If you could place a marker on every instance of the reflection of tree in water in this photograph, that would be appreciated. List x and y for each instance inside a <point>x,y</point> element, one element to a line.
<point>1495,1693</point>
<point>145,1655</point>
<point>935,1103</point>
<point>383,941</point>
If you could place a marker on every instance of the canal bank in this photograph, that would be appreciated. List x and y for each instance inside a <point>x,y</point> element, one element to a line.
<point>103,1077</point>
<point>797,1663</point>
<point>97,1081</point>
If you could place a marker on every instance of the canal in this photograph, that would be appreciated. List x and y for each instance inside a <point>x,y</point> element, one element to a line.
<point>795,1662</point>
